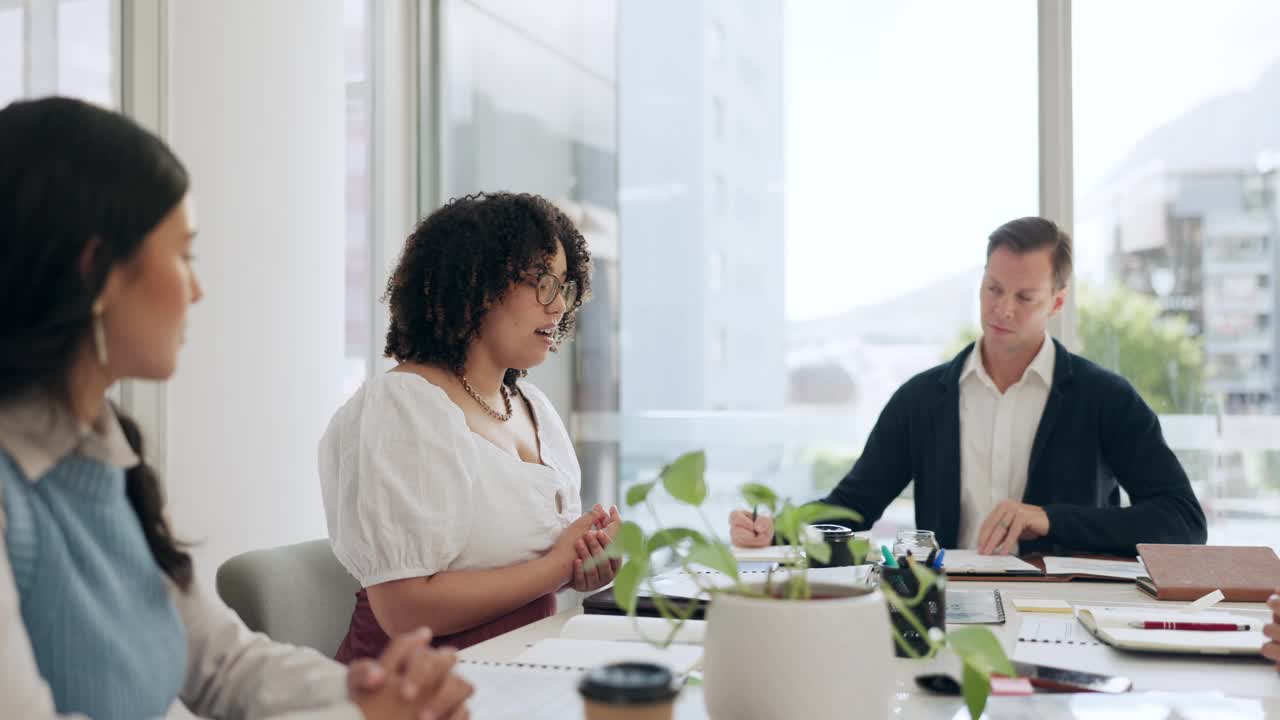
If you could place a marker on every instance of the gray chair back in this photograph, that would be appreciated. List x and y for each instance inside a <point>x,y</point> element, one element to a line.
<point>298,594</point>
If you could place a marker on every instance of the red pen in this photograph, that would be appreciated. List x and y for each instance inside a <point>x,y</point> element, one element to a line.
<point>1167,625</point>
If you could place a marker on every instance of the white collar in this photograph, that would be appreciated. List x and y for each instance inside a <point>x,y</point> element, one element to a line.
<point>38,432</point>
<point>1042,364</point>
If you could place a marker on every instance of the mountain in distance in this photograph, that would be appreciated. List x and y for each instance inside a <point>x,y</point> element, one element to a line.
<point>932,315</point>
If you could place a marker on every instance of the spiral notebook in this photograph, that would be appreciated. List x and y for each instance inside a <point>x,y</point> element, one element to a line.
<point>974,607</point>
<point>523,691</point>
<point>516,690</point>
<point>1054,630</point>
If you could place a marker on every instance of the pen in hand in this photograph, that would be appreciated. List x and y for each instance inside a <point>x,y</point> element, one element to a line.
<point>1172,625</point>
<point>755,510</point>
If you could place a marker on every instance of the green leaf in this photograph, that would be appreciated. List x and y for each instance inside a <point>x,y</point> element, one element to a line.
<point>787,524</point>
<point>597,560</point>
<point>630,540</point>
<point>860,547</point>
<point>627,581</point>
<point>672,536</point>
<point>925,578</point>
<point>715,555</point>
<point>684,479</point>
<point>976,686</point>
<point>637,493</point>
<point>817,550</point>
<point>757,494</point>
<point>814,512</point>
<point>979,647</point>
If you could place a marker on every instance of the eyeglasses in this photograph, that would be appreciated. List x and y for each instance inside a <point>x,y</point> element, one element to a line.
<point>548,286</point>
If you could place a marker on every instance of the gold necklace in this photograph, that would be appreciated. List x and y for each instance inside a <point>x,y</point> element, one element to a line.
<point>502,390</point>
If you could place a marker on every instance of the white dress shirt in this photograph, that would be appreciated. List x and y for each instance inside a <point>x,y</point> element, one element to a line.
<point>231,672</point>
<point>996,433</point>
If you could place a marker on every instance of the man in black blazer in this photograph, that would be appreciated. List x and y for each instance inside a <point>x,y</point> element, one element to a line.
<point>1017,445</point>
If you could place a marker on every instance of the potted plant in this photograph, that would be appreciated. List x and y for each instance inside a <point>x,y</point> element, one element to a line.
<point>785,646</point>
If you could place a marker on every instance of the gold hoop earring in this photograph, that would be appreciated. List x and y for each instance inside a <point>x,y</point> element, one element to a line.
<point>99,335</point>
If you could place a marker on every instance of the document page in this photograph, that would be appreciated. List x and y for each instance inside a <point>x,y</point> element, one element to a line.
<point>969,562</point>
<point>1121,569</point>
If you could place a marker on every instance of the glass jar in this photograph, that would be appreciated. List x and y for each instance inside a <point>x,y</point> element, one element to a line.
<point>921,544</point>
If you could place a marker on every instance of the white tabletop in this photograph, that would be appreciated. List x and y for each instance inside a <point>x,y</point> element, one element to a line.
<point>1204,686</point>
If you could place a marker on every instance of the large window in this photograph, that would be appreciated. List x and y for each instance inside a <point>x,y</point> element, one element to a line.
<point>804,213</point>
<point>1177,139</point>
<point>528,103</point>
<point>63,47</point>
<point>790,200</point>
<point>359,341</point>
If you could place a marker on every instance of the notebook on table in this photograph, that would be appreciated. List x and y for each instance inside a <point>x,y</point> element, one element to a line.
<point>974,607</point>
<point>969,565</point>
<point>528,691</point>
<point>1114,626</point>
<point>1187,572</point>
<point>679,588</point>
<point>969,562</point>
<point>621,628</point>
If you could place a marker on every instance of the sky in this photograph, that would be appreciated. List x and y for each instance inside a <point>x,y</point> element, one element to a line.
<point>911,126</point>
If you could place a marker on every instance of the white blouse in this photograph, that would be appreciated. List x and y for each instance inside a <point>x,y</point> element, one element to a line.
<point>410,491</point>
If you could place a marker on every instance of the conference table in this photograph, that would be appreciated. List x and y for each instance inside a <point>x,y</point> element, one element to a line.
<point>1164,686</point>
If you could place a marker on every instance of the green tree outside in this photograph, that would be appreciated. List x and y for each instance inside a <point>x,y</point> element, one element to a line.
<point>1123,331</point>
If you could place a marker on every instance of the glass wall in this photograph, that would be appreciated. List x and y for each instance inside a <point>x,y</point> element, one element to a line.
<point>804,209</point>
<point>359,341</point>
<point>13,52</point>
<point>1177,141</point>
<point>64,47</point>
<point>527,102</point>
<point>801,194</point>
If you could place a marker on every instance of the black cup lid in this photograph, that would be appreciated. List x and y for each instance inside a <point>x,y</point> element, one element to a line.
<point>831,530</point>
<point>629,683</point>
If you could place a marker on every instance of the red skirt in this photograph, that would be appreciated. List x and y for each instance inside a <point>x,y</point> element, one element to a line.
<point>366,639</point>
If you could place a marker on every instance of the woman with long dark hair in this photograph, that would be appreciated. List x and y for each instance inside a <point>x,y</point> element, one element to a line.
<point>100,613</point>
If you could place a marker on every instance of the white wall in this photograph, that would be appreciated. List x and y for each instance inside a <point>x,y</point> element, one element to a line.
<point>255,108</point>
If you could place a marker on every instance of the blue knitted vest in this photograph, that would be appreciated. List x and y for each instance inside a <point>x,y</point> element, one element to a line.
<point>106,635</point>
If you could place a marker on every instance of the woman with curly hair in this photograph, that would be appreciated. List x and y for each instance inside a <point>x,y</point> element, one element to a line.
<point>101,615</point>
<point>450,484</point>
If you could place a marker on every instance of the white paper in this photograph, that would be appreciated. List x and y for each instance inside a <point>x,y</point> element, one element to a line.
<point>970,562</point>
<point>1112,624</point>
<point>767,554</point>
<point>1123,569</point>
<point>1121,616</point>
<point>516,692</point>
<point>1054,629</point>
<point>503,691</point>
<point>564,652</point>
<point>632,629</point>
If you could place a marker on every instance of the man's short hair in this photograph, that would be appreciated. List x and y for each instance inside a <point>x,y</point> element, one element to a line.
<point>1029,234</point>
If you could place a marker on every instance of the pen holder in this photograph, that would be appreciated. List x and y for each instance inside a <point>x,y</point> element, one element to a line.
<point>930,611</point>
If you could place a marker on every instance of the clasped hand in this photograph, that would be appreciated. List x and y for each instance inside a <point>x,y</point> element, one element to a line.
<point>410,681</point>
<point>582,548</point>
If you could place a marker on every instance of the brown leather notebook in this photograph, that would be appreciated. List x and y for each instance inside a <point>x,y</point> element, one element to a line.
<point>1188,572</point>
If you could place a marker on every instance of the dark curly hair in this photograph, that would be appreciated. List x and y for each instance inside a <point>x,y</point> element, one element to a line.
<point>463,258</point>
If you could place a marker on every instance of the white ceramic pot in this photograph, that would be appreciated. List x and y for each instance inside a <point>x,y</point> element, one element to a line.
<point>779,659</point>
